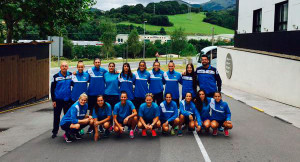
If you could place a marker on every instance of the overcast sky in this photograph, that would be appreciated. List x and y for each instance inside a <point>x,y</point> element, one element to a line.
<point>108,4</point>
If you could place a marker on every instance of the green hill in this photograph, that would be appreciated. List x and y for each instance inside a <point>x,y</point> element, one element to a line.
<point>192,23</point>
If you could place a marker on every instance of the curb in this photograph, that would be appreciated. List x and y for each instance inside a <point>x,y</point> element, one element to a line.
<point>24,106</point>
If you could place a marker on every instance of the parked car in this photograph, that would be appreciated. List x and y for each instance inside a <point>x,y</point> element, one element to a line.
<point>209,51</point>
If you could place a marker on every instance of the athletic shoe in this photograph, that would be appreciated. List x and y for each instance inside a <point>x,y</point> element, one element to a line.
<point>215,132</point>
<point>68,139</point>
<point>164,133</point>
<point>131,134</point>
<point>90,131</point>
<point>144,132</point>
<point>101,130</point>
<point>154,133</point>
<point>53,136</point>
<point>207,130</point>
<point>176,128</point>
<point>136,129</point>
<point>226,132</point>
<point>179,133</point>
<point>172,132</point>
<point>106,133</point>
<point>111,128</point>
<point>221,129</point>
<point>78,136</point>
<point>81,132</point>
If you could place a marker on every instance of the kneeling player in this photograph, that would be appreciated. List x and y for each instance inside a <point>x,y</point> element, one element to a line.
<point>76,119</point>
<point>189,115</point>
<point>168,114</point>
<point>125,115</point>
<point>221,115</point>
<point>102,117</point>
<point>149,116</point>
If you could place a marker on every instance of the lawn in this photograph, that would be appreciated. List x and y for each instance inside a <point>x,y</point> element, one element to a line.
<point>192,23</point>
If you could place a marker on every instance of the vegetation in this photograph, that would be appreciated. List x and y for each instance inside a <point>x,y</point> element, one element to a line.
<point>225,18</point>
<point>192,23</point>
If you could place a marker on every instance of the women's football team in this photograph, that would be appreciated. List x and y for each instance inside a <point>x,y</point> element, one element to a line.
<point>139,100</point>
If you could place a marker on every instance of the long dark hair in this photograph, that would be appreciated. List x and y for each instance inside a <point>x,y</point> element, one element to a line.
<point>198,102</point>
<point>129,75</point>
<point>193,75</point>
<point>97,107</point>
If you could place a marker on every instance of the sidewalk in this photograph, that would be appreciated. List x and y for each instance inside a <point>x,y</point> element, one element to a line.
<point>24,125</point>
<point>278,110</point>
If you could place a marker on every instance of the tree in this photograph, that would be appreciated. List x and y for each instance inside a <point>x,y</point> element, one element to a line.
<point>178,40</point>
<point>49,15</point>
<point>162,31</point>
<point>67,48</point>
<point>189,50</point>
<point>109,33</point>
<point>134,46</point>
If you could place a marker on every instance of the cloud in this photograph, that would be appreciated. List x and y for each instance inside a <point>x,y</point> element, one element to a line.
<point>108,4</point>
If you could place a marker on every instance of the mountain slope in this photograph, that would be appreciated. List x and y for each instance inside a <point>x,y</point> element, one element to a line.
<point>217,5</point>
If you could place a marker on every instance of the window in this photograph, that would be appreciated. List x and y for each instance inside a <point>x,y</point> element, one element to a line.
<point>281,16</point>
<point>257,21</point>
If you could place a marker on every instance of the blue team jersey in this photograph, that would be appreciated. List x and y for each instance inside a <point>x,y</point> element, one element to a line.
<point>168,112</point>
<point>209,79</point>
<point>123,111</point>
<point>102,112</point>
<point>187,109</point>
<point>172,79</point>
<point>126,84</point>
<point>149,113</point>
<point>111,84</point>
<point>80,84</point>
<point>96,86</point>
<point>205,112</point>
<point>156,81</point>
<point>61,87</point>
<point>220,111</point>
<point>187,86</point>
<point>141,83</point>
<point>75,113</point>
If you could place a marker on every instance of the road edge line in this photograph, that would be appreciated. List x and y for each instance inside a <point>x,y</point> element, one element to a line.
<point>16,108</point>
<point>201,147</point>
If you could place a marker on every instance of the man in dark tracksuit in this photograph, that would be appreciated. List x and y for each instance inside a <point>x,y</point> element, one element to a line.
<point>208,77</point>
<point>60,94</point>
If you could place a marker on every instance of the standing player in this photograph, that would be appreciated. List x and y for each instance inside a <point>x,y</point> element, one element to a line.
<point>156,86</point>
<point>112,91</point>
<point>141,84</point>
<point>79,82</point>
<point>60,94</point>
<point>126,81</point>
<point>172,79</point>
<point>189,81</point>
<point>208,77</point>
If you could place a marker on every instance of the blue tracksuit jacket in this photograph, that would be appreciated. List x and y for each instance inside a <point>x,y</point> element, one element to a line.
<point>220,111</point>
<point>168,112</point>
<point>156,81</point>
<point>75,113</point>
<point>96,86</point>
<point>172,79</point>
<point>141,83</point>
<point>209,79</point>
<point>80,84</point>
<point>61,87</point>
<point>187,109</point>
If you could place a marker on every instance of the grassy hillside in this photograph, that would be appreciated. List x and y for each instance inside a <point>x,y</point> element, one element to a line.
<point>192,23</point>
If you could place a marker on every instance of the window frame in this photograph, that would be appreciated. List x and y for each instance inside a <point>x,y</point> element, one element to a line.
<point>279,22</point>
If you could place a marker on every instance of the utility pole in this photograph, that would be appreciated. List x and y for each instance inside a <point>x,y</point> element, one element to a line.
<point>154,9</point>
<point>212,42</point>
<point>144,39</point>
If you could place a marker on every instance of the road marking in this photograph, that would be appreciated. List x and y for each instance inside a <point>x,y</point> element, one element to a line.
<point>202,148</point>
<point>1,112</point>
<point>258,109</point>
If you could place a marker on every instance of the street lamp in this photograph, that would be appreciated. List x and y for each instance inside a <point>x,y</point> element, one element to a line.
<point>144,40</point>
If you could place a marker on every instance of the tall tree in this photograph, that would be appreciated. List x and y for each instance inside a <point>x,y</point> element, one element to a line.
<point>178,40</point>
<point>49,15</point>
<point>109,33</point>
<point>134,46</point>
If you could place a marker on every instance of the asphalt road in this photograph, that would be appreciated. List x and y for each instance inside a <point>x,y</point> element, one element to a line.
<point>255,137</point>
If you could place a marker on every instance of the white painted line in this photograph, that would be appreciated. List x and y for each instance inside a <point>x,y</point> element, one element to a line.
<point>202,148</point>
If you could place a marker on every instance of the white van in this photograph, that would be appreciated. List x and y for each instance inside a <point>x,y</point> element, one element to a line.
<point>210,50</point>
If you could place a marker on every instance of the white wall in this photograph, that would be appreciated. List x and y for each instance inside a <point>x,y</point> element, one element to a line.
<point>246,8</point>
<point>267,76</point>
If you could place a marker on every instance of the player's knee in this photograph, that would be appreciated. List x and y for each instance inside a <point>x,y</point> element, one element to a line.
<point>158,124</point>
<point>206,124</point>
<point>106,125</point>
<point>140,125</point>
<point>228,125</point>
<point>165,128</point>
<point>135,119</point>
<point>176,121</point>
<point>116,129</point>
<point>192,124</point>
<point>214,124</point>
